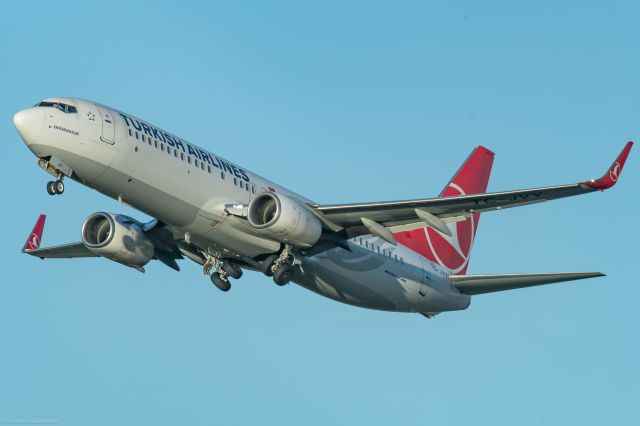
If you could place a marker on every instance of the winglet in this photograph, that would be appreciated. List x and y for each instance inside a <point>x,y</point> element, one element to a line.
<point>33,242</point>
<point>613,174</point>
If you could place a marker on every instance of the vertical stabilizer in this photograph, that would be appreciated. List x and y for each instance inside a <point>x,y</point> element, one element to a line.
<point>452,252</point>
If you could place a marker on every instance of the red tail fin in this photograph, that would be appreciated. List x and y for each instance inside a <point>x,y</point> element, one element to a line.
<point>33,242</point>
<point>453,252</point>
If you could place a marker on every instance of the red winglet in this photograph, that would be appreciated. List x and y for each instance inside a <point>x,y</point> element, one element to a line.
<point>613,174</point>
<point>33,242</point>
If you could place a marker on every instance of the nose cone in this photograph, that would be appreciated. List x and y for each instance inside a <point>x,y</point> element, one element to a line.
<point>29,123</point>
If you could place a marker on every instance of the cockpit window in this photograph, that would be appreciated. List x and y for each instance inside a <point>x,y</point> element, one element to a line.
<point>67,109</point>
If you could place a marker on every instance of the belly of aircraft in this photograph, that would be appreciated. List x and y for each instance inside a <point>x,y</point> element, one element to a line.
<point>368,280</point>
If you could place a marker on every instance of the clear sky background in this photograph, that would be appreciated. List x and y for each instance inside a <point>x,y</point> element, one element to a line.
<point>342,102</point>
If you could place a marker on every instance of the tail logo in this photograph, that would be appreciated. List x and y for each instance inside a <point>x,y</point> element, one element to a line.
<point>615,171</point>
<point>34,242</point>
<point>453,252</point>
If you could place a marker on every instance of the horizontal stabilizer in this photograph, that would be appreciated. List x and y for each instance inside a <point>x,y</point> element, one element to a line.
<point>479,284</point>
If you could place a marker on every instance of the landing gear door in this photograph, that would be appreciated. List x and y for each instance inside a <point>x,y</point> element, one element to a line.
<point>108,126</point>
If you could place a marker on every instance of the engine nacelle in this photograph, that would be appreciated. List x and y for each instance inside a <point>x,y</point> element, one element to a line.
<point>284,219</point>
<point>117,238</point>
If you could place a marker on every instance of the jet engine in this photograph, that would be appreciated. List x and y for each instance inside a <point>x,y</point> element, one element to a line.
<point>117,237</point>
<point>284,219</point>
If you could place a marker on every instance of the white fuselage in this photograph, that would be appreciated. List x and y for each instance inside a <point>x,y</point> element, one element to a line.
<point>187,188</point>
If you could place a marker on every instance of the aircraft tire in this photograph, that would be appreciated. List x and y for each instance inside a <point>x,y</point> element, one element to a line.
<point>284,274</point>
<point>267,264</point>
<point>51,187</point>
<point>232,269</point>
<point>223,285</point>
<point>59,186</point>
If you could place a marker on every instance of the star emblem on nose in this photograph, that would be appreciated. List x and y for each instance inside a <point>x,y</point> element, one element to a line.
<point>92,116</point>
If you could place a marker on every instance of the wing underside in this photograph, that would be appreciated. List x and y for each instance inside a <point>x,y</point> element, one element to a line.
<point>63,251</point>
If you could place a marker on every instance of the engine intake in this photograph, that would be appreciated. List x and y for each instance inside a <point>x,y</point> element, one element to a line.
<point>284,219</point>
<point>118,238</point>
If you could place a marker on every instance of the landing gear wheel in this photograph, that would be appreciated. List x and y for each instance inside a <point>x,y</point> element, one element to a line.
<point>222,284</point>
<point>283,274</point>
<point>268,264</point>
<point>51,187</point>
<point>59,186</point>
<point>232,269</point>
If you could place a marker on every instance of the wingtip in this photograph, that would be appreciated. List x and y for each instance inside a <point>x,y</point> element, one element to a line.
<point>613,173</point>
<point>35,238</point>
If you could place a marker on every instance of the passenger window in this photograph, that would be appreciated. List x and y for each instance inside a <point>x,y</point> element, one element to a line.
<point>161,146</point>
<point>253,189</point>
<point>182,156</point>
<point>168,150</point>
<point>137,135</point>
<point>246,186</point>
<point>155,142</point>
<point>195,162</point>
<point>142,136</point>
<point>235,181</point>
<point>241,185</point>
<point>130,132</point>
<point>188,159</point>
<point>209,169</point>
<point>202,165</point>
<point>222,175</point>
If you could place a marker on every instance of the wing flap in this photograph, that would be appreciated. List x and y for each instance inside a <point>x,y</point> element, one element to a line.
<point>479,284</point>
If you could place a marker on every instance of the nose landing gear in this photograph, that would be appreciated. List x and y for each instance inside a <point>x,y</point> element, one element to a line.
<point>55,187</point>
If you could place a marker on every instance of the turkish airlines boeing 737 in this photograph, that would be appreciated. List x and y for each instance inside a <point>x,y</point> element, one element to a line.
<point>404,256</point>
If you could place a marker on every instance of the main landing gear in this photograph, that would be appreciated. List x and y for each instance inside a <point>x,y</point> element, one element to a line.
<point>55,187</point>
<point>224,270</point>
<point>280,267</point>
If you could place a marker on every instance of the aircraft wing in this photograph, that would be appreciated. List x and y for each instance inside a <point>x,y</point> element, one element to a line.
<point>479,284</point>
<point>396,213</point>
<point>63,251</point>
<point>32,245</point>
<point>166,251</point>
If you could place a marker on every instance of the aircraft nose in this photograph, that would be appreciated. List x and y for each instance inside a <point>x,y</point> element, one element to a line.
<point>29,123</point>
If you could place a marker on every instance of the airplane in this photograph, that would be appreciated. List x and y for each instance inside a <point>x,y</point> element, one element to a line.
<point>401,256</point>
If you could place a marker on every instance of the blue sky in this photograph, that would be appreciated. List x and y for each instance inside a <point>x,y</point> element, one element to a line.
<point>342,102</point>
